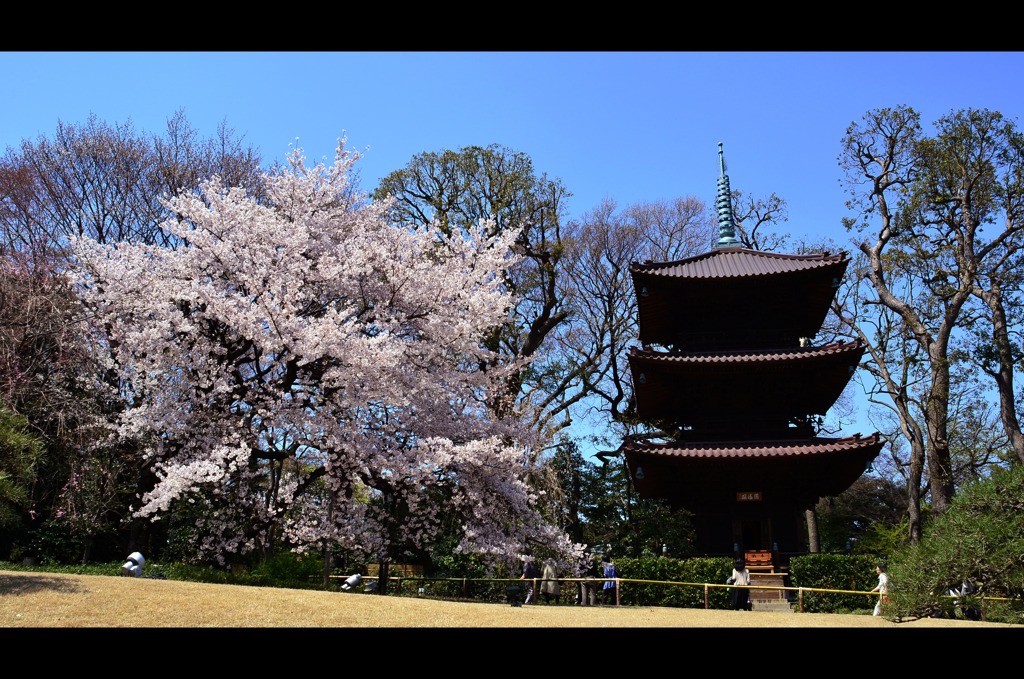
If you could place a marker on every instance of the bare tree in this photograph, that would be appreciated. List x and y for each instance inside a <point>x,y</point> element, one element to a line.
<point>892,382</point>
<point>107,181</point>
<point>600,250</point>
<point>752,215</point>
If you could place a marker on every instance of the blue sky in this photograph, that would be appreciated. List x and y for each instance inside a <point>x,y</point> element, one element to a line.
<point>630,126</point>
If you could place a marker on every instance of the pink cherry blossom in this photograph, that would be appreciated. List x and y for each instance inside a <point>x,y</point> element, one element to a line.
<point>318,373</point>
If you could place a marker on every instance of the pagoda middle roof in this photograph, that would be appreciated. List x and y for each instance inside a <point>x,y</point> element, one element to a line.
<point>711,388</point>
<point>763,356</point>
<point>810,447</point>
<point>762,385</point>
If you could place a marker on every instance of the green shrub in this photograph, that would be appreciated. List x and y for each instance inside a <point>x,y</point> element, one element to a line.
<point>664,569</point>
<point>834,571</point>
<point>979,538</point>
<point>54,543</point>
<point>288,569</point>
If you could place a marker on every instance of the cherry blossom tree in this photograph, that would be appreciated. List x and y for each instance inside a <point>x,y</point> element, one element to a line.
<point>312,371</point>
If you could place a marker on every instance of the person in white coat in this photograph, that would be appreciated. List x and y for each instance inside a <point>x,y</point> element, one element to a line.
<point>882,588</point>
<point>740,595</point>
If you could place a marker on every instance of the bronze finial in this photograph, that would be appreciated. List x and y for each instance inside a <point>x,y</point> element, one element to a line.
<point>726,224</point>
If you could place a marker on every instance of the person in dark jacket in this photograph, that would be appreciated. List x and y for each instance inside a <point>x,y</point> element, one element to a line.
<point>589,584</point>
<point>530,575</point>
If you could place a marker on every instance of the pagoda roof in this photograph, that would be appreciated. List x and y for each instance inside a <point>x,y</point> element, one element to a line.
<point>698,474</point>
<point>816,446</point>
<point>738,262</point>
<point>732,388</point>
<point>668,359</point>
<point>735,297</point>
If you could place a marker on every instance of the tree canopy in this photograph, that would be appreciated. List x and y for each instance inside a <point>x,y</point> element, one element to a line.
<point>498,186</point>
<point>287,363</point>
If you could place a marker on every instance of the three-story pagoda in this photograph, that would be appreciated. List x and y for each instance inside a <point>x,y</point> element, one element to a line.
<point>728,370</point>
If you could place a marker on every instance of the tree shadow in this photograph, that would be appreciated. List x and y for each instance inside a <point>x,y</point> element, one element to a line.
<point>16,585</point>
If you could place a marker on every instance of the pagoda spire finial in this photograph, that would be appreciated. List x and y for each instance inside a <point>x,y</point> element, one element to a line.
<point>726,223</point>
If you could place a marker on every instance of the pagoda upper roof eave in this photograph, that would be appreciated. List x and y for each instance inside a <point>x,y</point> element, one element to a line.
<point>737,262</point>
<point>690,388</point>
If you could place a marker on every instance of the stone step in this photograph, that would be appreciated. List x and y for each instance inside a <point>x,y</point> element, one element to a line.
<point>771,580</point>
<point>768,595</point>
<point>772,606</point>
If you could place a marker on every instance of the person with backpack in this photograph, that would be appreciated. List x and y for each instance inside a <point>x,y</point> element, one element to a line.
<point>740,595</point>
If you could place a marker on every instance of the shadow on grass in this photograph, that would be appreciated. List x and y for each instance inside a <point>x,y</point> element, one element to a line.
<point>29,584</point>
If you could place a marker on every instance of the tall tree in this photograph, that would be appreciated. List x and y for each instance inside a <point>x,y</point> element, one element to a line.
<point>20,454</point>
<point>927,227</point>
<point>860,518</point>
<point>49,380</point>
<point>614,518</point>
<point>973,180</point>
<point>892,373</point>
<point>456,190</point>
<point>311,338</point>
<point>105,181</point>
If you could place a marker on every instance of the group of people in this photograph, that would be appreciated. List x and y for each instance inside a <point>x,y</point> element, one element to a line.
<point>549,585</point>
<point>598,577</point>
<point>602,577</point>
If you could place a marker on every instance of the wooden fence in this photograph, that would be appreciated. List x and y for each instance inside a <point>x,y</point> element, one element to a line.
<point>496,589</point>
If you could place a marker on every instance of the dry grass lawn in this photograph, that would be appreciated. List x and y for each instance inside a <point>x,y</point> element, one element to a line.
<point>48,600</point>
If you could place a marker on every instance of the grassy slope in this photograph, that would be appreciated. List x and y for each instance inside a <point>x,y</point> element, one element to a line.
<point>61,600</point>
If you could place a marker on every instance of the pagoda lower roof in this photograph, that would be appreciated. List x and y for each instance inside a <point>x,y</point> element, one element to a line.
<point>751,356</point>
<point>703,474</point>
